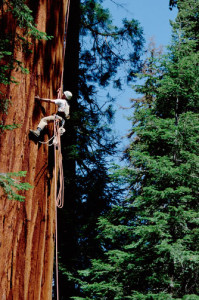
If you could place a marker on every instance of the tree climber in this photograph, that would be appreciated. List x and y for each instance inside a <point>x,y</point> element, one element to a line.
<point>62,114</point>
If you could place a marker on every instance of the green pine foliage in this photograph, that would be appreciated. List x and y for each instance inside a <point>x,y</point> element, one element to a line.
<point>102,52</point>
<point>23,16</point>
<point>9,42</point>
<point>150,239</point>
<point>11,185</point>
<point>13,40</point>
<point>98,68</point>
<point>107,47</point>
<point>8,127</point>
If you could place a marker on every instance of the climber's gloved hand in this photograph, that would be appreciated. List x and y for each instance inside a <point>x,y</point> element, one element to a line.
<point>37,97</point>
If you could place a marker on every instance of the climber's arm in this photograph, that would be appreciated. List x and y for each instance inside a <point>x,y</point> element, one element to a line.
<point>44,99</point>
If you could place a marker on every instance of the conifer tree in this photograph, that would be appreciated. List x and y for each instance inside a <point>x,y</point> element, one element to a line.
<point>94,52</point>
<point>150,239</point>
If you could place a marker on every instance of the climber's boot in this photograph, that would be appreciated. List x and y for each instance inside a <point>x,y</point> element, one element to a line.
<point>36,132</point>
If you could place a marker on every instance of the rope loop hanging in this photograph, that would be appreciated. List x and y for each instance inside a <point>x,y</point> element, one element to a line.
<point>59,197</point>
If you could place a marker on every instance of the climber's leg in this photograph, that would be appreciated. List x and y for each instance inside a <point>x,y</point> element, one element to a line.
<point>36,132</point>
<point>44,121</point>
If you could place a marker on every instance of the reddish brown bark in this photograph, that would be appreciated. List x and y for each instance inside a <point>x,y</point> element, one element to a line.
<point>27,229</point>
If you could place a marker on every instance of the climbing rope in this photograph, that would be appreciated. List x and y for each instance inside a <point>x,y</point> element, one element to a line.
<point>59,196</point>
<point>61,132</point>
<point>60,90</point>
<point>47,142</point>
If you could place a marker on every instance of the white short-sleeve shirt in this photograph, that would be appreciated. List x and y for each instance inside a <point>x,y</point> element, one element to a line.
<point>63,106</point>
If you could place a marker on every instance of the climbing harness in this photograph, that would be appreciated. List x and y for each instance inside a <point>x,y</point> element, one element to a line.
<point>53,138</point>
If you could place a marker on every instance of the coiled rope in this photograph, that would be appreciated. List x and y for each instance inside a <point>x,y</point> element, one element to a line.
<point>59,195</point>
<point>59,198</point>
<point>58,172</point>
<point>47,142</point>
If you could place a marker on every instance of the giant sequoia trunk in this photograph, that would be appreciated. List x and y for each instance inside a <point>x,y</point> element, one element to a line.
<point>27,228</point>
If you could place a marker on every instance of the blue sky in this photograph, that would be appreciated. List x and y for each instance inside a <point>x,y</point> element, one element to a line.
<point>154,16</point>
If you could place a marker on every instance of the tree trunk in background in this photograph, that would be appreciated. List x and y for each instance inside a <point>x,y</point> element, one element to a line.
<point>27,229</point>
<point>68,216</point>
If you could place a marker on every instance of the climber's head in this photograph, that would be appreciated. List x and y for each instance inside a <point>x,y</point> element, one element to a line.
<point>68,95</point>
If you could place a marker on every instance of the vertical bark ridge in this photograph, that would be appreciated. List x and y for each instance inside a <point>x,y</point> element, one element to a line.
<point>27,229</point>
